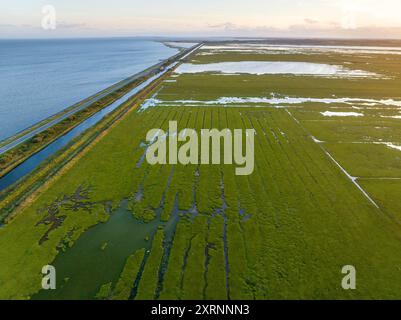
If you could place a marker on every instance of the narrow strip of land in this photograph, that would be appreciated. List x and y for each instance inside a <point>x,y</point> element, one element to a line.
<point>22,137</point>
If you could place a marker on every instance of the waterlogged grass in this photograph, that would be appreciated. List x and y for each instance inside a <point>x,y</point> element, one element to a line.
<point>387,194</point>
<point>352,131</point>
<point>283,232</point>
<point>209,87</point>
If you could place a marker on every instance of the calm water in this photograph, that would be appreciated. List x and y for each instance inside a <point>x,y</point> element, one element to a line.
<point>39,78</point>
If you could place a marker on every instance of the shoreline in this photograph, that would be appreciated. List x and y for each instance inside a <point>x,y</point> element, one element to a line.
<point>32,140</point>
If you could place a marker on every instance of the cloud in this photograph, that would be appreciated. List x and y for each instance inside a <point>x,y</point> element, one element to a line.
<point>63,29</point>
<point>225,26</point>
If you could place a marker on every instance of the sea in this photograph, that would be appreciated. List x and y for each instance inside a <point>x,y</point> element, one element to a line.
<point>39,78</point>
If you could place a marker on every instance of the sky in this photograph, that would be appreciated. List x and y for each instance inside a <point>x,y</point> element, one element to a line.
<point>200,18</point>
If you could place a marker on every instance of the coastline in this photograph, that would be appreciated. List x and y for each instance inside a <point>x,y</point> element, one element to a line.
<point>18,148</point>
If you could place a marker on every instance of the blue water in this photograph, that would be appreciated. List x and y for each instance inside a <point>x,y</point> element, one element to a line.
<point>35,160</point>
<point>39,78</point>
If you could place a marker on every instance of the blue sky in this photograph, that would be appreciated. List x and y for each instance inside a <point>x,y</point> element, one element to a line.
<point>252,18</point>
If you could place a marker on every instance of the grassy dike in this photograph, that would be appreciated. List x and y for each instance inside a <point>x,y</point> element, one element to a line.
<point>20,153</point>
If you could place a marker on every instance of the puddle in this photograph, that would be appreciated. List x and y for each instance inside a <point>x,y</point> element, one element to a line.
<point>244,216</point>
<point>316,140</point>
<point>392,117</point>
<point>277,101</point>
<point>390,145</point>
<point>341,114</point>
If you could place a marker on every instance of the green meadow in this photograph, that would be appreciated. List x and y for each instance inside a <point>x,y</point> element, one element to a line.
<point>200,231</point>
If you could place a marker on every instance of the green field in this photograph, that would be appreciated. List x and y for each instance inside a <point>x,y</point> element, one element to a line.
<point>118,228</point>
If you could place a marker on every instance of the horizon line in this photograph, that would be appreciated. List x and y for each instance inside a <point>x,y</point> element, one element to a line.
<point>205,38</point>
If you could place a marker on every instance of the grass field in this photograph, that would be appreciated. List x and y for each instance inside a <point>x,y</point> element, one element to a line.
<point>324,194</point>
